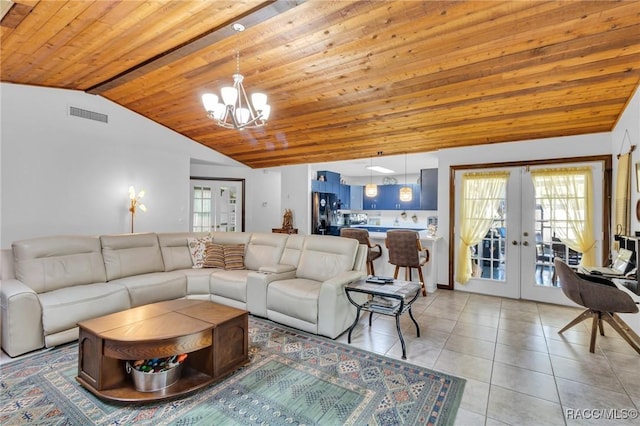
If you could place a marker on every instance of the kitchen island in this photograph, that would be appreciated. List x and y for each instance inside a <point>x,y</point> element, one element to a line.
<point>378,234</point>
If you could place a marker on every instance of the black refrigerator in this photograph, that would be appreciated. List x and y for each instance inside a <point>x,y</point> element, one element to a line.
<point>324,213</point>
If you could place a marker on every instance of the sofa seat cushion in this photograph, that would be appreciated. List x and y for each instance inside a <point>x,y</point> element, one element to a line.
<point>231,284</point>
<point>62,309</point>
<point>154,287</point>
<point>197,280</point>
<point>297,297</point>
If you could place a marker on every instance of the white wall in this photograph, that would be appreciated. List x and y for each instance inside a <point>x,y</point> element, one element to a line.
<point>67,175</point>
<point>540,149</point>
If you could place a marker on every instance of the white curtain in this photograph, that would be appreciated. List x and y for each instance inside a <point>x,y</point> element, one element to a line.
<point>622,195</point>
<point>481,196</point>
<point>569,190</point>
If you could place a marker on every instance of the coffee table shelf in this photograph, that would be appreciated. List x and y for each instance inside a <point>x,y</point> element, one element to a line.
<point>214,336</point>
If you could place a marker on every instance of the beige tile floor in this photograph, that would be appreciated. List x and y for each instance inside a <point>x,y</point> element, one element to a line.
<point>519,370</point>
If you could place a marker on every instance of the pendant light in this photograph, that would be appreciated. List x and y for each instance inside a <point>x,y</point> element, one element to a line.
<point>371,189</point>
<point>406,193</point>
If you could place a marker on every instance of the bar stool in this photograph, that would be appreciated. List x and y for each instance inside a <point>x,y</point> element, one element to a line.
<point>362,235</point>
<point>405,251</point>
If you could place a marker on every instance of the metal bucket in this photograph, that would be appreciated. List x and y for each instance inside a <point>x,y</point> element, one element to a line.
<point>151,382</point>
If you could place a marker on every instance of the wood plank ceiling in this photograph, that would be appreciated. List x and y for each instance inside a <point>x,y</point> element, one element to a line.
<point>345,79</point>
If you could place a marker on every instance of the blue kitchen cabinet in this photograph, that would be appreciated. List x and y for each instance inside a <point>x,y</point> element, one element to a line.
<point>344,195</point>
<point>356,194</point>
<point>388,198</point>
<point>371,203</point>
<point>429,189</point>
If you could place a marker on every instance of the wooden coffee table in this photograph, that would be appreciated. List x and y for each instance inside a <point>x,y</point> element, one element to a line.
<point>214,336</point>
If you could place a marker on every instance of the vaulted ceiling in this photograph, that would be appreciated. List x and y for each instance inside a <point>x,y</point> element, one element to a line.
<point>345,79</point>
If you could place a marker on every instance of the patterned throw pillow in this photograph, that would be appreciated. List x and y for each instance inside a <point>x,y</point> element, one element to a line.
<point>234,256</point>
<point>214,256</point>
<point>197,248</point>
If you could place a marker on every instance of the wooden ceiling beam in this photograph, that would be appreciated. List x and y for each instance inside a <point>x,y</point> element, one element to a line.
<point>252,17</point>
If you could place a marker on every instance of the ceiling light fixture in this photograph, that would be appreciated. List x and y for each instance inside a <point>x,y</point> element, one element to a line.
<point>371,189</point>
<point>406,193</point>
<point>380,169</point>
<point>235,111</point>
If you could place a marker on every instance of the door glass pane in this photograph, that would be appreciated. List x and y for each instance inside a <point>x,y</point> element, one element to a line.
<point>551,224</point>
<point>201,209</point>
<point>489,256</point>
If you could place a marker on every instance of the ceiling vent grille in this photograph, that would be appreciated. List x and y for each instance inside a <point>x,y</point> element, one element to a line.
<point>91,115</point>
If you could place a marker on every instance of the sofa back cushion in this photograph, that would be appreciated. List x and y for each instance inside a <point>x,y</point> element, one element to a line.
<point>174,247</point>
<point>131,254</point>
<point>51,263</point>
<point>264,249</point>
<point>231,237</point>
<point>324,257</point>
<point>292,250</point>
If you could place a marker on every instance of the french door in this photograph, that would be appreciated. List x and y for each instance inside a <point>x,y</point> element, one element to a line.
<point>217,205</point>
<point>515,257</point>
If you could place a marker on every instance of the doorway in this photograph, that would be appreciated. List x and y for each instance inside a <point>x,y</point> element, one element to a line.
<point>514,258</point>
<point>217,205</point>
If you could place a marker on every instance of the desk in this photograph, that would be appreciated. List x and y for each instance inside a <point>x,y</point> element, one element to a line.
<point>632,320</point>
<point>387,299</point>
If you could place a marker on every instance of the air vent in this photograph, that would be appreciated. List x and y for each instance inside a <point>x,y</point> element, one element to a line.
<point>91,115</point>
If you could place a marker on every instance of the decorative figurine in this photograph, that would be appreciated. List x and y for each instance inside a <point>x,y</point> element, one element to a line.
<point>287,220</point>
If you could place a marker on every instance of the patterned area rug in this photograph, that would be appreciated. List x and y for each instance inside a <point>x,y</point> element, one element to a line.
<point>293,378</point>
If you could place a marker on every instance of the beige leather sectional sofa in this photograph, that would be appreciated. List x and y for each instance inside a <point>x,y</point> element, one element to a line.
<point>50,284</point>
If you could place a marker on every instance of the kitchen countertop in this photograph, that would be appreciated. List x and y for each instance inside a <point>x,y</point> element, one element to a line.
<point>380,232</point>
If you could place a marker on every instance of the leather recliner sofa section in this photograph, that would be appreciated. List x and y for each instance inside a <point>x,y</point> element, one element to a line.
<point>50,284</point>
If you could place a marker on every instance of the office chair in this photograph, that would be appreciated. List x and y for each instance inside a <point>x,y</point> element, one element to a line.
<point>603,301</point>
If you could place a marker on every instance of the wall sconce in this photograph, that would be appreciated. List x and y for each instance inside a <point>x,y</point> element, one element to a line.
<point>134,203</point>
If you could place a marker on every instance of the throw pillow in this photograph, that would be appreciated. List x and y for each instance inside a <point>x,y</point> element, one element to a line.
<point>234,256</point>
<point>214,256</point>
<point>197,249</point>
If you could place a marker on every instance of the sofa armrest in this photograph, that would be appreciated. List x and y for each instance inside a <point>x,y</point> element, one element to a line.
<point>21,315</point>
<point>257,284</point>
<point>335,312</point>
<point>276,269</point>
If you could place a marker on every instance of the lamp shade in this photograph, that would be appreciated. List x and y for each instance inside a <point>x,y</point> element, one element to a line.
<point>229,95</point>
<point>219,111</point>
<point>371,190</point>
<point>266,110</point>
<point>242,115</point>
<point>209,100</point>
<point>406,194</point>
<point>259,100</point>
